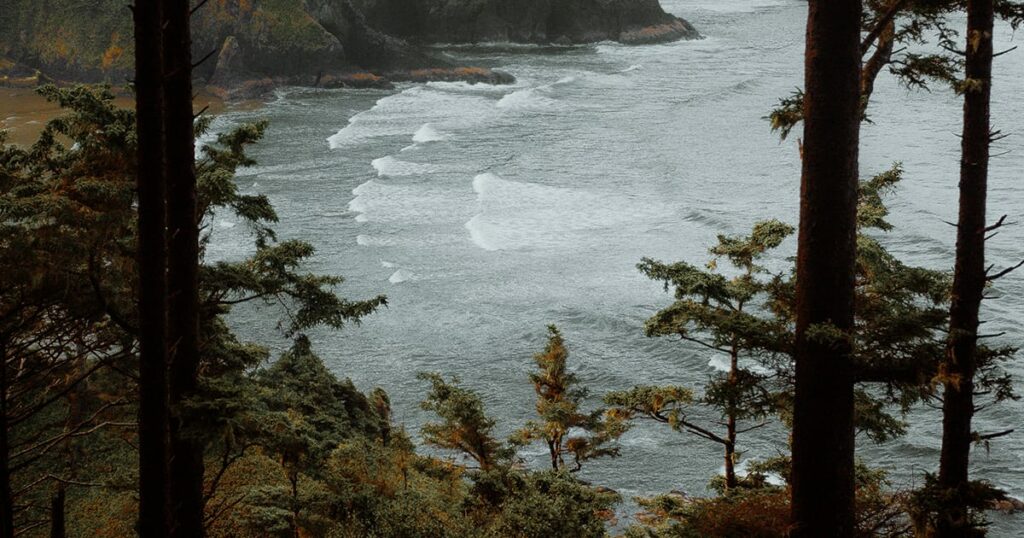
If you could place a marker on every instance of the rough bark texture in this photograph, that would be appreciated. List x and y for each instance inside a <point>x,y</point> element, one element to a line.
<point>186,464</point>
<point>6,500</point>
<point>57,526</point>
<point>823,433</point>
<point>730,436</point>
<point>969,274</point>
<point>152,260</point>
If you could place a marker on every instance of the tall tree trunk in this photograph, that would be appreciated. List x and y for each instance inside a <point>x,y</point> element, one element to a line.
<point>57,527</point>
<point>6,498</point>
<point>969,275</point>
<point>730,432</point>
<point>152,263</point>
<point>186,485</point>
<point>823,434</point>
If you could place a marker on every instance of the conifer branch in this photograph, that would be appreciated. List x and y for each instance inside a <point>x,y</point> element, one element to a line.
<point>999,224</point>
<point>998,54</point>
<point>197,7</point>
<point>989,436</point>
<point>204,58</point>
<point>881,23</point>
<point>1004,272</point>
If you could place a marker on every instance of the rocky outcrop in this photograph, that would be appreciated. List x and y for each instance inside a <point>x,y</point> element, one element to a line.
<point>526,21</point>
<point>249,46</point>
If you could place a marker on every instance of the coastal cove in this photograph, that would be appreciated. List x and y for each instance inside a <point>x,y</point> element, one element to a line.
<point>485,212</point>
<point>511,268</point>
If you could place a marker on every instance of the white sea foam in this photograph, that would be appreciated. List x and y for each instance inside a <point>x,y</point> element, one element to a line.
<point>418,203</point>
<point>400,276</point>
<point>528,99</point>
<point>391,167</point>
<point>721,363</point>
<point>463,86</point>
<point>403,113</point>
<point>426,134</point>
<point>388,265</point>
<point>516,215</point>
<point>743,468</point>
<point>479,233</point>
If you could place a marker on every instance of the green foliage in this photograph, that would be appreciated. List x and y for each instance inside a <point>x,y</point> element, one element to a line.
<point>465,427</point>
<point>728,316</point>
<point>929,505</point>
<point>787,114</point>
<point>759,513</point>
<point>543,504</point>
<point>558,405</point>
<point>67,206</point>
<point>764,510</point>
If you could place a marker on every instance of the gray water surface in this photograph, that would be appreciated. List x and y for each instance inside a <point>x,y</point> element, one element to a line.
<point>487,212</point>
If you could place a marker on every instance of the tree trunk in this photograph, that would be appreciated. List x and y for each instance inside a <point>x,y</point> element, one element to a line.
<point>186,485</point>
<point>6,498</point>
<point>57,529</point>
<point>969,274</point>
<point>152,262</point>
<point>730,434</point>
<point>823,432</point>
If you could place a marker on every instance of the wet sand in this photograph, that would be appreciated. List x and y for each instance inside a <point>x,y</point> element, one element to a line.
<point>24,113</point>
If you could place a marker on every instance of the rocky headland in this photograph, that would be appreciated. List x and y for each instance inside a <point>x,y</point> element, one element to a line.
<point>248,47</point>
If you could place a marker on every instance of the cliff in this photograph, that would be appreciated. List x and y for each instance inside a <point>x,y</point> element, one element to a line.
<point>526,21</point>
<point>250,45</point>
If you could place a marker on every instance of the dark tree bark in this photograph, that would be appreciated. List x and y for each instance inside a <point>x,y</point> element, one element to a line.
<point>823,430</point>
<point>969,274</point>
<point>152,262</point>
<point>57,527</point>
<point>186,484</point>
<point>731,482</point>
<point>6,498</point>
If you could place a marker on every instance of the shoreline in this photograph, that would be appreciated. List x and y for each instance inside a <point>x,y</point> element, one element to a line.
<point>24,113</point>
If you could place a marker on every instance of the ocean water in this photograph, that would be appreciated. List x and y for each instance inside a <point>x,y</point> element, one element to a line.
<point>487,212</point>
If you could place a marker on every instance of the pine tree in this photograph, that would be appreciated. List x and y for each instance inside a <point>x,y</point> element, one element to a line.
<point>823,406</point>
<point>726,316</point>
<point>559,397</point>
<point>465,427</point>
<point>154,450</point>
<point>970,277</point>
<point>186,460</point>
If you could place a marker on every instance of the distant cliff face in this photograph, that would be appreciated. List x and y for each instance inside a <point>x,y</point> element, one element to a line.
<point>525,21</point>
<point>304,41</point>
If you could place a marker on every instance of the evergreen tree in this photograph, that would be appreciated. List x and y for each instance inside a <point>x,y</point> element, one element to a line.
<point>154,450</point>
<point>465,427</point>
<point>186,450</point>
<point>558,404</point>
<point>823,405</point>
<point>726,316</point>
<point>958,515</point>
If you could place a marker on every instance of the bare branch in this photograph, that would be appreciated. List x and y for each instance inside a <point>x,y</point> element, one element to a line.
<point>999,224</point>
<point>1005,272</point>
<point>998,54</point>
<point>988,436</point>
